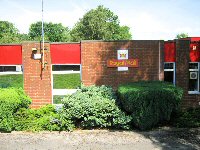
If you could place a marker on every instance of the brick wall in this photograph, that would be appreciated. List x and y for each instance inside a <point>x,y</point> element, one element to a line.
<point>94,56</point>
<point>182,73</point>
<point>37,82</point>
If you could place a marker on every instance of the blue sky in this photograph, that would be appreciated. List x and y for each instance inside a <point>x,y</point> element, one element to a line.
<point>147,19</point>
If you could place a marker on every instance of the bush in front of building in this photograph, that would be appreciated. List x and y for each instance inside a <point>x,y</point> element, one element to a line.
<point>189,118</point>
<point>11,100</point>
<point>94,107</point>
<point>149,102</point>
<point>45,118</point>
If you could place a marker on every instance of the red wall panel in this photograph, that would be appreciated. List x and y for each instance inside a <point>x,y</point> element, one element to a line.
<point>170,52</point>
<point>10,54</point>
<point>194,52</point>
<point>65,53</point>
<point>195,39</point>
<point>192,39</point>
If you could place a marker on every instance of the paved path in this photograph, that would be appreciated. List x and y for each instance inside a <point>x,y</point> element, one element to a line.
<point>164,139</point>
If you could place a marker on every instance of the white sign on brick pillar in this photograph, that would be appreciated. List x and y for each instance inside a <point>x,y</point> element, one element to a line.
<point>122,54</point>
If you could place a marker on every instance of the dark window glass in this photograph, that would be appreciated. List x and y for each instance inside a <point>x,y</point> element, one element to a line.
<point>193,85</point>
<point>168,66</point>
<point>193,65</point>
<point>1,68</point>
<point>169,76</point>
<point>7,68</point>
<point>66,67</point>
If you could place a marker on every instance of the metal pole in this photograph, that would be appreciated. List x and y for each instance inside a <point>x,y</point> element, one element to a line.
<point>42,37</point>
<point>159,70</point>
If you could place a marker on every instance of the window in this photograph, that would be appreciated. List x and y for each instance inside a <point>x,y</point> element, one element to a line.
<point>193,78</point>
<point>169,72</point>
<point>11,76</point>
<point>11,69</point>
<point>66,80</point>
<point>66,68</point>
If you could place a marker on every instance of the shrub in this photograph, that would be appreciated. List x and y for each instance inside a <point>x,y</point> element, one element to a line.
<point>44,118</point>
<point>11,100</point>
<point>149,102</point>
<point>94,107</point>
<point>187,118</point>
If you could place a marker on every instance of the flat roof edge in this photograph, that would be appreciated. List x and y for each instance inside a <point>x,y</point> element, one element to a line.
<point>84,41</point>
<point>65,42</point>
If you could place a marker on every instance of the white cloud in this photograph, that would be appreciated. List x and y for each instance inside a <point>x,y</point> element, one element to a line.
<point>144,23</point>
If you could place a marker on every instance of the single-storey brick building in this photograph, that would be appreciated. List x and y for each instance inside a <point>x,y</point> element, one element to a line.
<point>105,63</point>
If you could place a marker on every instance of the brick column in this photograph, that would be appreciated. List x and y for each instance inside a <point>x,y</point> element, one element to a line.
<point>37,81</point>
<point>182,73</point>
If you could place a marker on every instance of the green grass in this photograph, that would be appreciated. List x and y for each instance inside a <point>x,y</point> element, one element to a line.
<point>61,81</point>
<point>57,99</point>
<point>15,80</point>
<point>66,81</point>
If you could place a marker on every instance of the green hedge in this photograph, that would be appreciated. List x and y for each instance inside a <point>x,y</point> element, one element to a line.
<point>189,118</point>
<point>44,118</point>
<point>11,100</point>
<point>94,107</point>
<point>15,80</point>
<point>66,81</point>
<point>149,102</point>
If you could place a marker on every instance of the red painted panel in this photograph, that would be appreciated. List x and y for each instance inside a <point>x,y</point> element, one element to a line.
<point>10,54</point>
<point>195,39</point>
<point>170,52</point>
<point>192,39</point>
<point>65,53</point>
<point>194,52</point>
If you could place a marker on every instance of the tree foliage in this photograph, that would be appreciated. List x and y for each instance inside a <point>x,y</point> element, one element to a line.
<point>181,35</point>
<point>100,24</point>
<point>53,32</point>
<point>9,33</point>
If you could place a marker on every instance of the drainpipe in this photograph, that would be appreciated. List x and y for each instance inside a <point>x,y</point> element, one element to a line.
<point>43,65</point>
<point>159,70</point>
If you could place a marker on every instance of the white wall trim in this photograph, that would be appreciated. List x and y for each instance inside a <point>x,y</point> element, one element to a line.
<point>63,91</point>
<point>65,72</point>
<point>7,73</point>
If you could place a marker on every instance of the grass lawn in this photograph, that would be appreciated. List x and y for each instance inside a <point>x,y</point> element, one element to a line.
<point>66,81</point>
<point>57,99</point>
<point>61,81</point>
<point>14,80</point>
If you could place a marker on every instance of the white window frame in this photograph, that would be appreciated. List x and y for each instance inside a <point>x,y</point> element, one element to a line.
<point>64,91</point>
<point>12,72</point>
<point>174,71</point>
<point>195,70</point>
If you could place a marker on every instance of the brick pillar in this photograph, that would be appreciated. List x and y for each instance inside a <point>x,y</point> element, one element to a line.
<point>37,81</point>
<point>182,73</point>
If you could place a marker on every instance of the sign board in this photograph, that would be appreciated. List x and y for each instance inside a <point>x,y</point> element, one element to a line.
<point>122,55</point>
<point>122,63</point>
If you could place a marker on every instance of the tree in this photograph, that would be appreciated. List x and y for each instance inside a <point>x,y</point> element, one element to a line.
<point>181,35</point>
<point>24,37</point>
<point>9,33</point>
<point>52,32</point>
<point>100,24</point>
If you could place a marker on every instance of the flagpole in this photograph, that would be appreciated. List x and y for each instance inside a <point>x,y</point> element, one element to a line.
<point>42,36</point>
